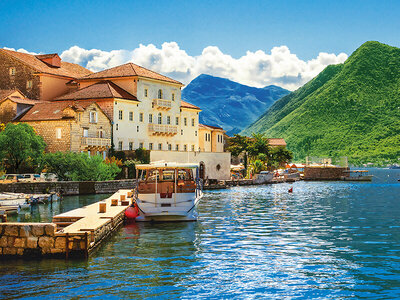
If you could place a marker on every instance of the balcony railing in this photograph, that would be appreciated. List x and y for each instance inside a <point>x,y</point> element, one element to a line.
<point>159,129</point>
<point>96,142</point>
<point>162,104</point>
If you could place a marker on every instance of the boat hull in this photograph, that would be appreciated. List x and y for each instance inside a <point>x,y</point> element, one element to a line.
<point>180,207</point>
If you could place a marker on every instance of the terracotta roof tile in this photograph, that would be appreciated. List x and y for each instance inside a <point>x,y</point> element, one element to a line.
<point>209,127</point>
<point>67,69</point>
<point>127,70</point>
<point>276,142</point>
<point>24,100</point>
<point>46,111</point>
<point>188,105</point>
<point>99,90</point>
<point>5,93</point>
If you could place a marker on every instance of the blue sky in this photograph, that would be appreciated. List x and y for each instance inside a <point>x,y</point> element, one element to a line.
<point>307,28</point>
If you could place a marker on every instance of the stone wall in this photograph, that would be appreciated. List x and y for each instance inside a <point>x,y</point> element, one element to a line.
<point>69,187</point>
<point>29,239</point>
<point>324,173</point>
<point>23,73</point>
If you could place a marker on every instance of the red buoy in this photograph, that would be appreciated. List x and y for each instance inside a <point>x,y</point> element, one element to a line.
<point>132,213</point>
<point>290,190</point>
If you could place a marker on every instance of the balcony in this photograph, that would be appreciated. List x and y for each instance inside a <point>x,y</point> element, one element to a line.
<point>96,142</point>
<point>159,129</point>
<point>162,104</point>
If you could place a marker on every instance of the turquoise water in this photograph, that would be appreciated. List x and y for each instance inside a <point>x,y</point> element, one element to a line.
<point>326,240</point>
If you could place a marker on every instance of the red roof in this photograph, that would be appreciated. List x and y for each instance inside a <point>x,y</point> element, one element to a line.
<point>188,105</point>
<point>66,70</point>
<point>7,94</point>
<point>52,110</point>
<point>128,70</point>
<point>276,142</point>
<point>99,90</point>
<point>210,127</point>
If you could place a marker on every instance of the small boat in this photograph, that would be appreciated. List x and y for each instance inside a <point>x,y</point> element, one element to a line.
<point>356,175</point>
<point>168,191</point>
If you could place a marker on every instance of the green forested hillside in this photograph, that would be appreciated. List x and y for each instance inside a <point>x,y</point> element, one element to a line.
<point>351,109</point>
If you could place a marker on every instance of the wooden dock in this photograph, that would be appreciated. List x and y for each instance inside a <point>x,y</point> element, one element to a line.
<point>73,233</point>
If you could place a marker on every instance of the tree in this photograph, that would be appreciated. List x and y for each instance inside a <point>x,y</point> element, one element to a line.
<point>258,145</point>
<point>80,166</point>
<point>238,144</point>
<point>280,155</point>
<point>19,143</point>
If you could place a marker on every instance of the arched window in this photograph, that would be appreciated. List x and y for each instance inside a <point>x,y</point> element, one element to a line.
<point>160,94</point>
<point>159,118</point>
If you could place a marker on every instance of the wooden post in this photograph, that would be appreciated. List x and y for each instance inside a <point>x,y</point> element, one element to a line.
<point>102,207</point>
<point>66,245</point>
<point>86,245</point>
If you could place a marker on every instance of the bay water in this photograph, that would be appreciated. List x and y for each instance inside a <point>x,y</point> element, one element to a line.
<point>331,240</point>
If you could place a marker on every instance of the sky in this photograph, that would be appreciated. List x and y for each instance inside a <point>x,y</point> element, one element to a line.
<point>257,43</point>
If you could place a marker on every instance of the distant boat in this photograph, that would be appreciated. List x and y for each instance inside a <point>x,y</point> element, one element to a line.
<point>357,175</point>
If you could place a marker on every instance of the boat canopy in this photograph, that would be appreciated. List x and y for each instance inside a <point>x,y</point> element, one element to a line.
<point>166,165</point>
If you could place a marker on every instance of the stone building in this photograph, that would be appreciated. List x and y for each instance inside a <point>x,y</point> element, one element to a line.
<point>42,77</point>
<point>71,126</point>
<point>211,138</point>
<point>12,104</point>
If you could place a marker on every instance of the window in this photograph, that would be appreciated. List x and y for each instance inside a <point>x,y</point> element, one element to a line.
<point>169,147</point>
<point>192,147</point>
<point>120,145</point>
<point>137,128</point>
<point>93,117</point>
<point>13,71</point>
<point>195,133</point>
<point>146,92</point>
<point>159,146</point>
<point>168,120</point>
<point>100,133</point>
<point>120,114</point>
<point>150,118</point>
<point>159,118</point>
<point>160,94</point>
<point>181,131</point>
<point>131,116</point>
<point>177,147</point>
<point>140,145</point>
<point>29,84</point>
<point>58,133</point>
<point>130,146</point>
<point>151,146</point>
<point>141,117</point>
<point>177,120</point>
<point>185,121</point>
<point>192,122</point>
<point>85,132</point>
<point>116,126</point>
<point>184,147</point>
<point>173,97</point>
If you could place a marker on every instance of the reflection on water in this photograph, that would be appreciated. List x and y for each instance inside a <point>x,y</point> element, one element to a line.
<point>326,240</point>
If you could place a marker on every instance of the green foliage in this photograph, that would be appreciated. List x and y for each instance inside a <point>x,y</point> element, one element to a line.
<point>257,166</point>
<point>280,156</point>
<point>79,166</point>
<point>20,144</point>
<point>238,144</point>
<point>258,145</point>
<point>142,155</point>
<point>351,109</point>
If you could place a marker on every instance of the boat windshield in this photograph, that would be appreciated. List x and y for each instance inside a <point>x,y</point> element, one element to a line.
<point>166,175</point>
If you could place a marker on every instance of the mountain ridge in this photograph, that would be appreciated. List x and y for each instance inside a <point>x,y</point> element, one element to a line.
<point>229,104</point>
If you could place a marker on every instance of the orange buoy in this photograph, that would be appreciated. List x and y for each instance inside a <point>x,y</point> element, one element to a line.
<point>290,190</point>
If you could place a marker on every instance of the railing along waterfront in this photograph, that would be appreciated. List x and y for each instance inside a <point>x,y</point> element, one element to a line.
<point>162,103</point>
<point>163,129</point>
<point>92,141</point>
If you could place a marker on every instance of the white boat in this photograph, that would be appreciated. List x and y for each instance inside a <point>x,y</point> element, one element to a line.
<point>168,191</point>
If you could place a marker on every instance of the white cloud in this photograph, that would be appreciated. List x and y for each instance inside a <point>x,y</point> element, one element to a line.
<point>280,66</point>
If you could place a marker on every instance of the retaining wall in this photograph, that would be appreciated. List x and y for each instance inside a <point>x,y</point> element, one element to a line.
<point>324,173</point>
<point>68,187</point>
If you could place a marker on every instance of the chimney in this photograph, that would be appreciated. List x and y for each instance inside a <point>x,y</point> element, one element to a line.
<point>52,60</point>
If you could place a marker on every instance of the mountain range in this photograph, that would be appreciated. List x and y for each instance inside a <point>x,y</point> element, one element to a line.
<point>230,105</point>
<point>350,109</point>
